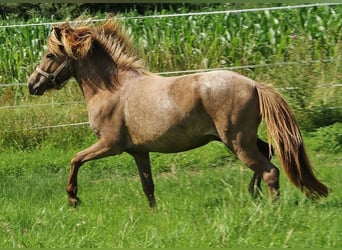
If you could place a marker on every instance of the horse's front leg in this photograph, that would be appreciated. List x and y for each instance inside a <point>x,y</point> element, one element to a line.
<point>98,150</point>
<point>144,167</point>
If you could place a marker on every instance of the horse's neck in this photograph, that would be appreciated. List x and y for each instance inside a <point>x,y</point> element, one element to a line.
<point>97,73</point>
<point>94,86</point>
<point>94,75</point>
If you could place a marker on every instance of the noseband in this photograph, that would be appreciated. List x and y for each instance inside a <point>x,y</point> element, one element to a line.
<point>52,76</point>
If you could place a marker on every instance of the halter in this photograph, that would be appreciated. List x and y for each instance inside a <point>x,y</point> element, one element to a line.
<point>52,76</point>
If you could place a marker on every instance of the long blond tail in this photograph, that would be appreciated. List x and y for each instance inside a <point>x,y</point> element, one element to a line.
<point>283,129</point>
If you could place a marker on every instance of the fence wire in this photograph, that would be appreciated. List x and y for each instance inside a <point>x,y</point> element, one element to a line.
<point>288,7</point>
<point>173,72</point>
<point>253,66</point>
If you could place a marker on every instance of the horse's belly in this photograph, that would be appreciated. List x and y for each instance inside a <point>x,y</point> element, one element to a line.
<point>190,133</point>
<point>174,143</point>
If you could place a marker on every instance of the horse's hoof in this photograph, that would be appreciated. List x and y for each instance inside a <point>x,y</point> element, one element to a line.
<point>74,202</point>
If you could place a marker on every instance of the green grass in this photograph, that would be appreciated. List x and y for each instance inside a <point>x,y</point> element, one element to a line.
<point>201,195</point>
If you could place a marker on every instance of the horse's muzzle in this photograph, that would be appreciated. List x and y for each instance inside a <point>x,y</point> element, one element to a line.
<point>35,88</point>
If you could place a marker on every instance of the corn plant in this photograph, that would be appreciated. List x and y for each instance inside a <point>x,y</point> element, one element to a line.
<point>195,42</point>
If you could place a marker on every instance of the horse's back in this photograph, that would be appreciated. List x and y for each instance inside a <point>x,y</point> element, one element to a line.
<point>227,92</point>
<point>226,83</point>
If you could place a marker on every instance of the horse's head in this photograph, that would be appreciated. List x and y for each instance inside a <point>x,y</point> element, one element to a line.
<point>65,46</point>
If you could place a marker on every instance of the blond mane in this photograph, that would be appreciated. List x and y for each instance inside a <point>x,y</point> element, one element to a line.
<point>78,40</point>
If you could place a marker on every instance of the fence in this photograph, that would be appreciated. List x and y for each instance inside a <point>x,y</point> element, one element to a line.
<point>185,14</point>
<point>280,64</point>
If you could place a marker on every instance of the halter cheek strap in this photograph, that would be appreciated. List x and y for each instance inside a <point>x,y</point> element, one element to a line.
<point>52,76</point>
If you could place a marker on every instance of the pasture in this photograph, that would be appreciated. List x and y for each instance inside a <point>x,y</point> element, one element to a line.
<point>202,197</point>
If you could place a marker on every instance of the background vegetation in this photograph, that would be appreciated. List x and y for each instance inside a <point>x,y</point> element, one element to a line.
<point>202,194</point>
<point>301,46</point>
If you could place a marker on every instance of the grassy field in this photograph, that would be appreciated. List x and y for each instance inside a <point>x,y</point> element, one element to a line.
<point>202,195</point>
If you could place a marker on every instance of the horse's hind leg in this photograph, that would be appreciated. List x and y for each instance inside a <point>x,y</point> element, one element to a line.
<point>265,148</point>
<point>244,144</point>
<point>143,163</point>
<point>262,167</point>
<point>255,184</point>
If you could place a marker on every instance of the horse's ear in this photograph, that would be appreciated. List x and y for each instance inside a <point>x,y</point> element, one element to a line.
<point>62,30</point>
<point>58,32</point>
<point>82,41</point>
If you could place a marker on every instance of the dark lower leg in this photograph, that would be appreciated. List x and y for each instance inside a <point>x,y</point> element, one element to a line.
<point>254,187</point>
<point>144,167</point>
<point>265,149</point>
<point>72,185</point>
<point>255,183</point>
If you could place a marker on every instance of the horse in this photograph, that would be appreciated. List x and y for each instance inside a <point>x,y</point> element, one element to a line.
<point>133,110</point>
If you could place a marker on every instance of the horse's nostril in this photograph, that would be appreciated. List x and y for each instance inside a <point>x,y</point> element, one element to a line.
<point>33,90</point>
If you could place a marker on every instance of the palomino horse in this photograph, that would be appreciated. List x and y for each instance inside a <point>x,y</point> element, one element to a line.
<point>135,111</point>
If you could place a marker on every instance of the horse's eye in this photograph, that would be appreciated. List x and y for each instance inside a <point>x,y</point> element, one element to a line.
<point>50,55</point>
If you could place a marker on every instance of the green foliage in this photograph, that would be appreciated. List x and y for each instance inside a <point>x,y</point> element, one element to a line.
<point>328,139</point>
<point>59,11</point>
<point>210,41</point>
<point>324,115</point>
<point>205,41</point>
